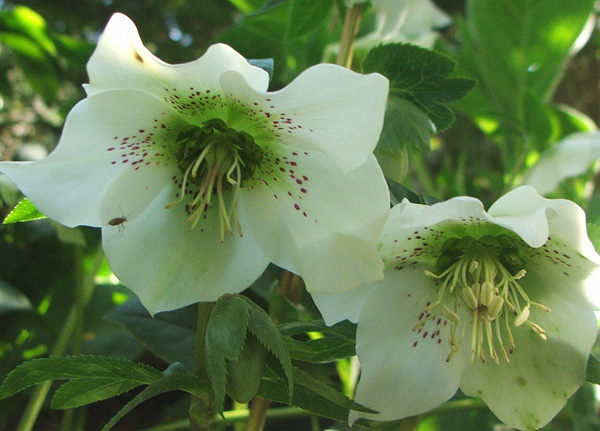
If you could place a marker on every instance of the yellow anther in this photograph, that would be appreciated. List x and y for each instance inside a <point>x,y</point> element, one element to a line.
<point>522,317</point>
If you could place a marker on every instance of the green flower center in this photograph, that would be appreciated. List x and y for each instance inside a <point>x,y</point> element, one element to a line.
<point>483,276</point>
<point>213,159</point>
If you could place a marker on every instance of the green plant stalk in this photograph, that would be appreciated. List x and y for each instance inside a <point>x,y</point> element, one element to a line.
<point>410,423</point>
<point>69,417</point>
<point>202,411</point>
<point>60,347</point>
<point>349,31</point>
<point>235,416</point>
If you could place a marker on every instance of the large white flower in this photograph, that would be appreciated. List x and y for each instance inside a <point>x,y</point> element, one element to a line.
<point>491,302</point>
<point>199,177</point>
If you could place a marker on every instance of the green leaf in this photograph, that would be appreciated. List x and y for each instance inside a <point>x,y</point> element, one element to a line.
<point>405,123</point>
<point>263,328</point>
<point>312,395</point>
<point>592,372</point>
<point>23,211</point>
<point>518,50</point>
<point>268,6</point>
<point>327,349</point>
<point>168,382</point>
<point>334,342</point>
<point>225,338</point>
<point>76,367</point>
<point>344,328</point>
<point>80,392</point>
<point>420,87</point>
<point>170,335</point>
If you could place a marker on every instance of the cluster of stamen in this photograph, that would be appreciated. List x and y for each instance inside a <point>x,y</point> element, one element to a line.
<point>474,273</point>
<point>215,158</point>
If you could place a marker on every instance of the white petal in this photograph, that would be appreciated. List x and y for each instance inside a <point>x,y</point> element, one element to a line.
<point>531,390</point>
<point>121,61</point>
<point>327,108</point>
<point>542,375</point>
<point>335,307</point>
<point>312,220</point>
<point>568,158</point>
<point>408,17</point>
<point>404,373</point>
<point>534,218</point>
<point>97,143</point>
<point>167,264</point>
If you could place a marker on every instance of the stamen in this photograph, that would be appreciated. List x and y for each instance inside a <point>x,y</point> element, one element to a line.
<point>215,159</point>
<point>477,277</point>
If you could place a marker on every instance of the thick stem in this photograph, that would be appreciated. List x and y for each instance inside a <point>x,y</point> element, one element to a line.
<point>410,423</point>
<point>86,289</point>
<point>349,31</point>
<point>258,414</point>
<point>202,412</point>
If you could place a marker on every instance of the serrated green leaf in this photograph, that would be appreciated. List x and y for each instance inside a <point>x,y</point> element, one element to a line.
<point>23,211</point>
<point>169,382</point>
<point>80,392</point>
<point>312,395</point>
<point>592,372</point>
<point>327,349</point>
<point>76,367</point>
<point>420,77</point>
<point>225,337</point>
<point>263,328</point>
<point>405,124</point>
<point>344,328</point>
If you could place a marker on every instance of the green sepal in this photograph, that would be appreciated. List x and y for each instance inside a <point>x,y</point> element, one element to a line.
<point>23,211</point>
<point>245,373</point>
<point>124,375</point>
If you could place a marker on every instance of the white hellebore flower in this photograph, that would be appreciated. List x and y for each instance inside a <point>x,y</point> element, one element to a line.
<point>199,177</point>
<point>491,302</point>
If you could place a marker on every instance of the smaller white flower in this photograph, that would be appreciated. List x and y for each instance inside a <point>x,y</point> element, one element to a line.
<point>568,158</point>
<point>491,302</point>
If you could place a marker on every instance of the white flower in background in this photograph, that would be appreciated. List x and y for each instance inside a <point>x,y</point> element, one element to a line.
<point>398,21</point>
<point>411,21</point>
<point>491,302</point>
<point>568,158</point>
<point>199,177</point>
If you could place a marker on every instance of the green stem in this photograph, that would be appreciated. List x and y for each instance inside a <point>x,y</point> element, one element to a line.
<point>69,417</point>
<point>258,414</point>
<point>41,392</point>
<point>410,423</point>
<point>235,416</point>
<point>349,31</point>
<point>202,411</point>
